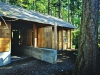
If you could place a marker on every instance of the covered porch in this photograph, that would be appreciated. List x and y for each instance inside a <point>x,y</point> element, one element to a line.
<point>39,40</point>
<point>23,32</point>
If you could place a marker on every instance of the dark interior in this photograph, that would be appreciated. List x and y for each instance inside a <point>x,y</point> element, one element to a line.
<point>17,28</point>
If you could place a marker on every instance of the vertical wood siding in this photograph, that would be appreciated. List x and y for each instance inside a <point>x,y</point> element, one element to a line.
<point>5,37</point>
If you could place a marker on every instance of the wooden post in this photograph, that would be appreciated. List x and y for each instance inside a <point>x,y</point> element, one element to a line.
<point>62,38</point>
<point>55,35</point>
<point>70,39</point>
<point>58,38</point>
<point>35,35</point>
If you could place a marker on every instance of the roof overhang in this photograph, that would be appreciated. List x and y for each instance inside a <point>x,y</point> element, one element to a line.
<point>15,12</point>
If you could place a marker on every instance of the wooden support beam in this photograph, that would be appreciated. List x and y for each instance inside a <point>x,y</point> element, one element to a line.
<point>55,35</point>
<point>35,35</point>
<point>69,38</point>
<point>52,37</point>
<point>62,37</point>
<point>58,38</point>
<point>42,37</point>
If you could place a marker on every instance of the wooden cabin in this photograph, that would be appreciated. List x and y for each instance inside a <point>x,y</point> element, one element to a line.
<point>21,27</point>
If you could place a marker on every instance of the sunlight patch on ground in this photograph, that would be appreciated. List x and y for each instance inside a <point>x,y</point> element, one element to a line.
<point>24,64</point>
<point>60,54</point>
<point>6,67</point>
<point>15,57</point>
<point>66,56</point>
<point>59,60</point>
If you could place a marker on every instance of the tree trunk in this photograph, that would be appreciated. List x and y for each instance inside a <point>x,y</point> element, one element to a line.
<point>68,11</point>
<point>86,59</point>
<point>48,7</point>
<point>59,9</point>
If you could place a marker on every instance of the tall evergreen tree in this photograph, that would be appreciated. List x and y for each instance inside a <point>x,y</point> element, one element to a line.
<point>48,7</point>
<point>88,45</point>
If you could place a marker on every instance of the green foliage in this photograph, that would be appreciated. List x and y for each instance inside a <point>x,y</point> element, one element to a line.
<point>75,35</point>
<point>38,5</point>
<point>98,45</point>
<point>71,10</point>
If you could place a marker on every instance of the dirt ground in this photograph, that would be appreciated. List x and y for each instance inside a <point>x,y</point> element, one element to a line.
<point>31,66</point>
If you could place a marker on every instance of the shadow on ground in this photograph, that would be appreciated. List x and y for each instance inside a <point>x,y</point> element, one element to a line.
<point>26,65</point>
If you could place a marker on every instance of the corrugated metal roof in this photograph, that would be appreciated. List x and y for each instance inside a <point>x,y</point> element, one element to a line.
<point>12,11</point>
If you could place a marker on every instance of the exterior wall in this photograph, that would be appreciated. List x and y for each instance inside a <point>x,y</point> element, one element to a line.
<point>60,39</point>
<point>49,37</point>
<point>35,36</point>
<point>69,39</point>
<point>53,46</point>
<point>5,44</point>
<point>64,38</point>
<point>48,55</point>
<point>44,36</point>
<point>26,37</point>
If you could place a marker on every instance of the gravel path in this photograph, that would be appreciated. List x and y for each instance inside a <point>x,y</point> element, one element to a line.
<point>32,66</point>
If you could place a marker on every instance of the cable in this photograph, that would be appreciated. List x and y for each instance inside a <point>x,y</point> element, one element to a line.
<point>4,22</point>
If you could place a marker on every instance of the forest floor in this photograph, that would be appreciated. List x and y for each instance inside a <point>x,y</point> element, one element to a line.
<point>32,66</point>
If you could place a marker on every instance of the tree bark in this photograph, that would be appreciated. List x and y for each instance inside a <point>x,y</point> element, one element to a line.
<point>87,52</point>
<point>59,9</point>
<point>68,10</point>
<point>48,7</point>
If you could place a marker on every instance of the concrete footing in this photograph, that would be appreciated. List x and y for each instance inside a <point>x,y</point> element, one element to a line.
<point>5,58</point>
<point>48,55</point>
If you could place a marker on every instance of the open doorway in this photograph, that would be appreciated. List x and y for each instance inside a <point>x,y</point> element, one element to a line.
<point>15,41</point>
<point>21,36</point>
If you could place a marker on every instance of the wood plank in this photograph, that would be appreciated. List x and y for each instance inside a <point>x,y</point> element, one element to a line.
<point>60,39</point>
<point>43,41</point>
<point>5,37</point>
<point>55,36</point>
<point>38,38</point>
<point>35,35</point>
<point>44,38</point>
<point>49,37</point>
<point>29,37</point>
<point>69,38</point>
<point>65,42</point>
<point>53,46</point>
